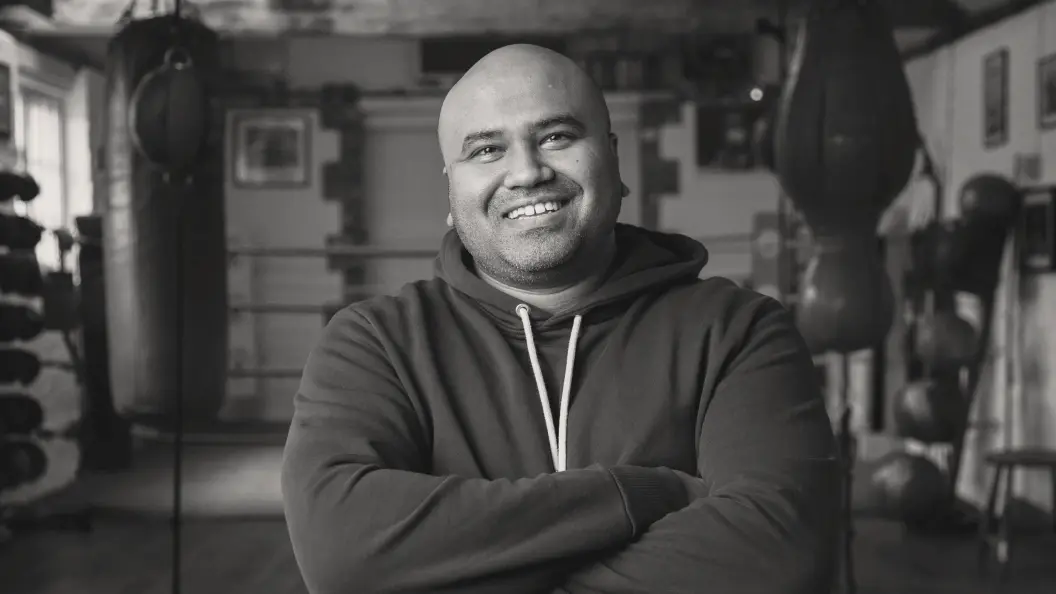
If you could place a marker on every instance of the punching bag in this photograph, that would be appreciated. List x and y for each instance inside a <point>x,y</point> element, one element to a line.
<point>930,411</point>
<point>964,254</point>
<point>908,487</point>
<point>845,147</point>
<point>139,237</point>
<point>945,341</point>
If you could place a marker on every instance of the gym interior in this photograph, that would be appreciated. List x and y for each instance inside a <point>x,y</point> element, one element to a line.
<point>191,189</point>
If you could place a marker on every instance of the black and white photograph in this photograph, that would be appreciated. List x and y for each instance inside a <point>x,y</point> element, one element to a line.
<point>527,297</point>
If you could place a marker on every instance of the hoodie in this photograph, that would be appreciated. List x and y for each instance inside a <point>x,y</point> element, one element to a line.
<point>665,434</point>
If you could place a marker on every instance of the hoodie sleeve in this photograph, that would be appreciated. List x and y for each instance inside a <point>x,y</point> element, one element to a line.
<point>364,514</point>
<point>767,454</point>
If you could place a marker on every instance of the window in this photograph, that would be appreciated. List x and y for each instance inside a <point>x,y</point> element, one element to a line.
<point>42,146</point>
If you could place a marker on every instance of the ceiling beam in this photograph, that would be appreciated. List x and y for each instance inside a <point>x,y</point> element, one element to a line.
<point>428,18</point>
<point>977,21</point>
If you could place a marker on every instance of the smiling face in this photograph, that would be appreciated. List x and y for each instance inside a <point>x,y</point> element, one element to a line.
<point>532,169</point>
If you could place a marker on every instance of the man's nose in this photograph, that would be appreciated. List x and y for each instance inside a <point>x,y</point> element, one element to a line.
<point>526,169</point>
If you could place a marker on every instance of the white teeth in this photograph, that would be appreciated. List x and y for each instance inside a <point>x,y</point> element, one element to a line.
<point>535,209</point>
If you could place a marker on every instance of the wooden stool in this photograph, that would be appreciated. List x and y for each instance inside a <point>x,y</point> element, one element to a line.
<point>1004,463</point>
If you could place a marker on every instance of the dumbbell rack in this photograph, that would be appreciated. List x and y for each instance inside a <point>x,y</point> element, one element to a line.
<point>19,236</point>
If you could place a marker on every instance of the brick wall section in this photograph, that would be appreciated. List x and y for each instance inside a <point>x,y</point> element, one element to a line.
<point>659,176</point>
<point>342,180</point>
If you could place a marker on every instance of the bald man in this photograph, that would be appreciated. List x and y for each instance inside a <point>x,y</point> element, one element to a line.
<point>566,407</point>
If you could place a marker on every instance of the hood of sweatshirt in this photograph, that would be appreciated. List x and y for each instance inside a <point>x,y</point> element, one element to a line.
<point>645,261</point>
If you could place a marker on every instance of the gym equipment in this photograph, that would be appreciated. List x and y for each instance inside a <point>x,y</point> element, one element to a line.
<point>842,166</point>
<point>21,461</point>
<point>185,261</point>
<point>19,413</point>
<point>31,462</point>
<point>945,341</point>
<point>961,255</point>
<point>60,301</point>
<point>989,199</point>
<point>18,366</point>
<point>157,261</point>
<point>964,254</point>
<point>930,411</point>
<point>845,300</point>
<point>107,436</point>
<point>19,322</point>
<point>168,113</point>
<point>20,273</point>
<point>18,184</point>
<point>19,233</point>
<point>908,487</point>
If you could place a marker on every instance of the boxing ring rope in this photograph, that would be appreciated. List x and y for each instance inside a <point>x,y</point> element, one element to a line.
<point>719,244</point>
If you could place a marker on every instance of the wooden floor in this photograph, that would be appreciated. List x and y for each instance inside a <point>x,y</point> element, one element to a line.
<point>133,556</point>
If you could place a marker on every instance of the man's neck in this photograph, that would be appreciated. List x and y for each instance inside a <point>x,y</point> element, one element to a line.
<point>553,299</point>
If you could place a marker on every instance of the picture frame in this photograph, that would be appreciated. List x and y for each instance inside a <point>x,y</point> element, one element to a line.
<point>1037,230</point>
<point>271,149</point>
<point>995,98</point>
<point>7,105</point>
<point>1046,98</point>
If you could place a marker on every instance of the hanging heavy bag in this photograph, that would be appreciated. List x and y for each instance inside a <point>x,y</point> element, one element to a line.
<point>164,154</point>
<point>845,147</point>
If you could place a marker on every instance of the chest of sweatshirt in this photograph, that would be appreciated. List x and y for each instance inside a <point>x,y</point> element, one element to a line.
<point>639,388</point>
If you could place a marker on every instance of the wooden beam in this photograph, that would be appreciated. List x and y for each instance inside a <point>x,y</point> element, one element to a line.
<point>977,21</point>
<point>427,18</point>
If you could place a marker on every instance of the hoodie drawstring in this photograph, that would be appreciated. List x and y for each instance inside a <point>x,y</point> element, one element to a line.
<point>559,440</point>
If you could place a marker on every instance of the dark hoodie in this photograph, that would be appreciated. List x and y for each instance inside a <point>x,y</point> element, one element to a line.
<point>420,458</point>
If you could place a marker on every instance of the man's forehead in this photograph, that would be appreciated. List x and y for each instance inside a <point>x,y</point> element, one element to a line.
<point>513,88</point>
<point>509,107</point>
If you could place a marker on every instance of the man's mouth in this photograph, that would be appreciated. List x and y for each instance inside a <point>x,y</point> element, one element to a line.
<point>537,209</point>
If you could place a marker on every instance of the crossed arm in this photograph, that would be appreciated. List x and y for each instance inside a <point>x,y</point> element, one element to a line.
<point>364,515</point>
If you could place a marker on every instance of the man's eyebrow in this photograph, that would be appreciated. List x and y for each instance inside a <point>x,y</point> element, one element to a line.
<point>557,120</point>
<point>478,136</point>
<point>565,119</point>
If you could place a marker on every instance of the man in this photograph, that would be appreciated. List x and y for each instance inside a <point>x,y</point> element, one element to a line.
<point>566,407</point>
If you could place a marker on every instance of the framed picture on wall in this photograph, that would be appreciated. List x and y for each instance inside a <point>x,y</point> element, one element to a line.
<point>7,106</point>
<point>1047,92</point>
<point>271,149</point>
<point>995,98</point>
<point>1037,239</point>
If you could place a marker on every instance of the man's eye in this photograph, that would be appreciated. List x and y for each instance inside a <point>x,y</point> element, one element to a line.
<point>484,151</point>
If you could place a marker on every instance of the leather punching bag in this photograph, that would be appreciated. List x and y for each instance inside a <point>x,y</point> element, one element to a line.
<point>845,147</point>
<point>930,411</point>
<point>964,254</point>
<point>140,239</point>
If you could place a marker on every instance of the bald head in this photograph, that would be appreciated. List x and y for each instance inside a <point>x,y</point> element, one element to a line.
<point>519,77</point>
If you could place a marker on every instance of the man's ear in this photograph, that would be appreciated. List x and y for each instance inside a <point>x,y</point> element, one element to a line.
<point>614,143</point>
